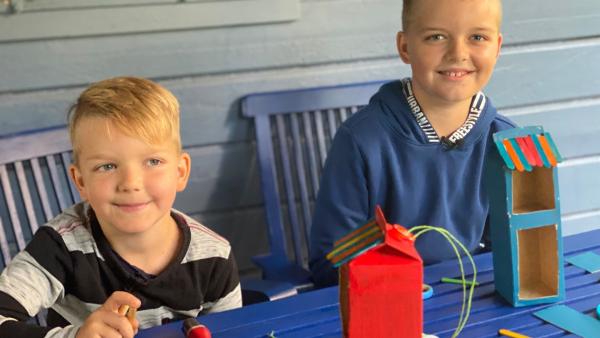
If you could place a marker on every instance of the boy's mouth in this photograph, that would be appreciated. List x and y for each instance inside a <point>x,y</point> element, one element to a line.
<point>131,207</point>
<point>455,74</point>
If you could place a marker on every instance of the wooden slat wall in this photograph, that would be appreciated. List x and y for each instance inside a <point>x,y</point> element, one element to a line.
<point>547,74</point>
<point>56,20</point>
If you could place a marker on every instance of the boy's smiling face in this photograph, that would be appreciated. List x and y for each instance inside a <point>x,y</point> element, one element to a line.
<point>452,47</point>
<point>130,184</point>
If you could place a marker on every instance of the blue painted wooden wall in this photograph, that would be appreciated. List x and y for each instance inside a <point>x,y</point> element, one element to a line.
<point>548,74</point>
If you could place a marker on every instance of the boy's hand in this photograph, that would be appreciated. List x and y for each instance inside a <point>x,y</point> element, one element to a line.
<point>107,322</point>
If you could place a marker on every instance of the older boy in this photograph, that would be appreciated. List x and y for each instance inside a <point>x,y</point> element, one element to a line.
<point>123,247</point>
<point>418,148</point>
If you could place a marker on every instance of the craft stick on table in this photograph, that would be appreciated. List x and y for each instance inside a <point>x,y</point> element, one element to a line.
<point>508,333</point>
<point>457,281</point>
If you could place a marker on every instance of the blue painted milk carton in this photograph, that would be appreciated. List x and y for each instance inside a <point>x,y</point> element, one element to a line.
<point>522,184</point>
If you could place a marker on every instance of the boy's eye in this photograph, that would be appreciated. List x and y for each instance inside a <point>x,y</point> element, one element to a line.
<point>153,162</point>
<point>435,37</point>
<point>478,37</point>
<point>105,167</point>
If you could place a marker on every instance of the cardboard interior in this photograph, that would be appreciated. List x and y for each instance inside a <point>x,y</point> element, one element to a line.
<point>538,262</point>
<point>533,191</point>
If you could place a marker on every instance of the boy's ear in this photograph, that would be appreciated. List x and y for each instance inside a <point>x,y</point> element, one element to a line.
<point>499,44</point>
<point>77,180</point>
<point>402,46</point>
<point>183,170</point>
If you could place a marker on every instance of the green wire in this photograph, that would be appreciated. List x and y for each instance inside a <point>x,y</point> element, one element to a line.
<point>462,320</point>
<point>443,232</point>
<point>449,237</point>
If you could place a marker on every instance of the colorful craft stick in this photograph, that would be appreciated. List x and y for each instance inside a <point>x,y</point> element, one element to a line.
<point>502,150</point>
<point>523,149</point>
<point>355,243</point>
<point>513,155</point>
<point>547,150</point>
<point>519,153</point>
<point>508,333</point>
<point>553,147</point>
<point>341,246</point>
<point>533,150</point>
<point>540,151</point>
<point>356,232</point>
<point>357,253</point>
<point>457,281</point>
<point>352,251</point>
<point>526,151</point>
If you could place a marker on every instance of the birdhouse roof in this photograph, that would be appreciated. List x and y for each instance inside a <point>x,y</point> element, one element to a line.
<point>524,148</point>
<point>374,233</point>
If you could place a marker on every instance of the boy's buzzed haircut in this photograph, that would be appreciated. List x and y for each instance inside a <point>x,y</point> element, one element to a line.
<point>137,106</point>
<point>406,8</point>
<point>408,5</point>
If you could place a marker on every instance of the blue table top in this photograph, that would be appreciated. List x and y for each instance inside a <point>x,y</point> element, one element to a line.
<point>315,313</point>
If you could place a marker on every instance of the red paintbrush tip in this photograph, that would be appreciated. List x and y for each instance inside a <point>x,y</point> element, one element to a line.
<point>193,329</point>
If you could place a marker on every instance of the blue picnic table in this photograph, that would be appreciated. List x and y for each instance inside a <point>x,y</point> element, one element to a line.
<point>316,313</point>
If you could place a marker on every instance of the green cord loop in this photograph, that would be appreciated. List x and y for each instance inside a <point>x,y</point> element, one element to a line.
<point>462,320</point>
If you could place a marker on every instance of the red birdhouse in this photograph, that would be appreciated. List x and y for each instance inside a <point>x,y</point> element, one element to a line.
<point>381,278</point>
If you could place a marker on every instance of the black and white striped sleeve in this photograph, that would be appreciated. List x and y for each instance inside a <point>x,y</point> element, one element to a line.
<point>33,280</point>
<point>224,292</point>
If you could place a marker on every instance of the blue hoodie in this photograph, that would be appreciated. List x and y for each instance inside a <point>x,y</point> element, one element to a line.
<point>388,154</point>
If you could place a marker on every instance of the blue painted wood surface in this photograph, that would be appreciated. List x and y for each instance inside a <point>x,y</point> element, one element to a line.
<point>316,313</point>
<point>34,21</point>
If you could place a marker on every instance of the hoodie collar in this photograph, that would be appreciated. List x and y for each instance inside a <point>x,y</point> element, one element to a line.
<point>456,138</point>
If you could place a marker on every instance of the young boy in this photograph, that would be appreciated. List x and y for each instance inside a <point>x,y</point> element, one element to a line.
<point>418,148</point>
<point>123,247</point>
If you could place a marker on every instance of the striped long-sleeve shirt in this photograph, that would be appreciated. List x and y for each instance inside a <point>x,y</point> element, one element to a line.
<point>70,269</point>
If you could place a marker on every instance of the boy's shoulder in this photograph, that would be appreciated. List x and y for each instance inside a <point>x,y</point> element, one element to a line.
<point>387,107</point>
<point>504,122</point>
<point>70,218</point>
<point>204,242</point>
<point>375,123</point>
<point>73,228</point>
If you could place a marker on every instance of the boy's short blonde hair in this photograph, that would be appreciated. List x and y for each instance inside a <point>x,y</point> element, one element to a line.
<point>408,5</point>
<point>138,107</point>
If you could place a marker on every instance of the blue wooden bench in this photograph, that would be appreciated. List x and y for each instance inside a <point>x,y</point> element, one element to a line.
<point>34,186</point>
<point>294,130</point>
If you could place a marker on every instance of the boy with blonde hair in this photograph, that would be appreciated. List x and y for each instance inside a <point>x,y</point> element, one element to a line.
<point>418,148</point>
<point>123,247</point>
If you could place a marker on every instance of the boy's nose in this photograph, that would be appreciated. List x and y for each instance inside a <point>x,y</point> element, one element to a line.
<point>130,180</point>
<point>457,51</point>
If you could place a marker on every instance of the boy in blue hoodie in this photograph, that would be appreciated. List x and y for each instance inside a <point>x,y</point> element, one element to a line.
<point>418,148</point>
